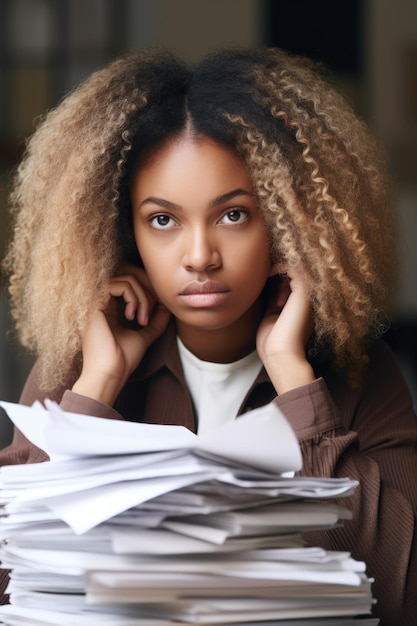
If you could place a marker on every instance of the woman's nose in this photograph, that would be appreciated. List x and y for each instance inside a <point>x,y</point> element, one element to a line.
<point>201,251</point>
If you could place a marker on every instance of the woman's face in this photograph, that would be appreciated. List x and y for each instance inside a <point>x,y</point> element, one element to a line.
<point>200,234</point>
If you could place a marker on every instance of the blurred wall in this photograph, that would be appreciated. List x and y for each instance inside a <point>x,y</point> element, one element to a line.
<point>48,46</point>
<point>191,28</point>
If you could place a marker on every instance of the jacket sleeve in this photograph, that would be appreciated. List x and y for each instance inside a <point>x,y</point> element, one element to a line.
<point>369,435</point>
<point>21,450</point>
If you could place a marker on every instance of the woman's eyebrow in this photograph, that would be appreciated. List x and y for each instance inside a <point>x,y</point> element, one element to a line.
<point>164,204</point>
<point>172,206</point>
<point>230,195</point>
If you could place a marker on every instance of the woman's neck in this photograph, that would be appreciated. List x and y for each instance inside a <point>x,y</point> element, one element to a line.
<point>223,345</point>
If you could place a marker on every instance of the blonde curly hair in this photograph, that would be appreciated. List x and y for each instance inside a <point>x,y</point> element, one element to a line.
<point>320,179</point>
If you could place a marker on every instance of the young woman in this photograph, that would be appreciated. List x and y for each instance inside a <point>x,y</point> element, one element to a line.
<point>193,243</point>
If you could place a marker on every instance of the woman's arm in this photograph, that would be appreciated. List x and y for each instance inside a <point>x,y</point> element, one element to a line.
<point>111,349</point>
<point>370,436</point>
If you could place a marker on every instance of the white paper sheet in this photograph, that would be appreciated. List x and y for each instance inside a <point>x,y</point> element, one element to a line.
<point>58,433</point>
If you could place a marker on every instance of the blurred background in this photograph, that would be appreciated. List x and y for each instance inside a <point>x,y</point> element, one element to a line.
<point>48,46</point>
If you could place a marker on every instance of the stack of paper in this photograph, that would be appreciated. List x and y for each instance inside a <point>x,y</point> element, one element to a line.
<point>135,524</point>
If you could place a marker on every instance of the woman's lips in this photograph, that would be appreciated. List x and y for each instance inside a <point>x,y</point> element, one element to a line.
<point>204,294</point>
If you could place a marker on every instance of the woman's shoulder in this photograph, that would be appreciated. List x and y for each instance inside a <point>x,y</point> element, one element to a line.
<point>382,365</point>
<point>382,398</point>
<point>385,366</point>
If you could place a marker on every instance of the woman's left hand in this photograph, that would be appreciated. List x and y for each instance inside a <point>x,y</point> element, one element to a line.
<point>284,332</point>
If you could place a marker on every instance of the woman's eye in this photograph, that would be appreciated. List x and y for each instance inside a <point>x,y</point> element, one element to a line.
<point>162,221</point>
<point>234,216</point>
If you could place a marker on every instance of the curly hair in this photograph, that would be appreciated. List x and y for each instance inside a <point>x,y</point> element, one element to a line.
<point>318,173</point>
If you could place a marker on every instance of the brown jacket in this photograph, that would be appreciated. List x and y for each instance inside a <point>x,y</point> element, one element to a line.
<point>368,434</point>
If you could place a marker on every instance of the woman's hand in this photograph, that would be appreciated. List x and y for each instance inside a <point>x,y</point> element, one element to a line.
<point>284,332</point>
<point>111,347</point>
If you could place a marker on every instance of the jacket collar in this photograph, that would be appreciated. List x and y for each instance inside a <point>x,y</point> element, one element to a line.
<point>164,353</point>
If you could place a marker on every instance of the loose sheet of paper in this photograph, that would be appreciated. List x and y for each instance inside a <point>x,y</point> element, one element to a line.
<point>262,438</point>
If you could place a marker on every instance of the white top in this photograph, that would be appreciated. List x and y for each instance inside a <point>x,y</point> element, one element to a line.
<point>217,389</point>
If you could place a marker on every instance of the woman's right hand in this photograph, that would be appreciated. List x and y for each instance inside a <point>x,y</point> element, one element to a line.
<point>284,332</point>
<point>112,350</point>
